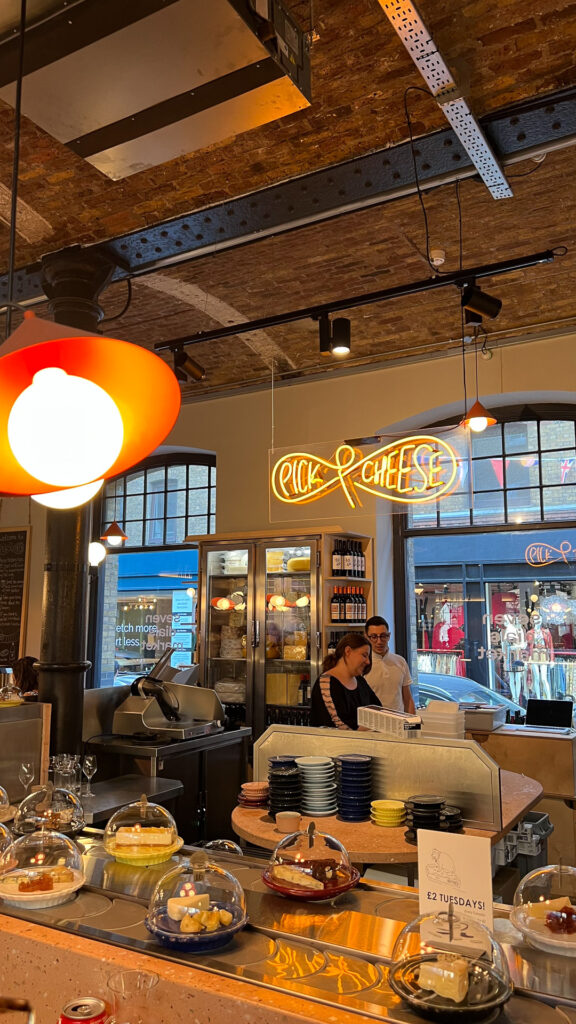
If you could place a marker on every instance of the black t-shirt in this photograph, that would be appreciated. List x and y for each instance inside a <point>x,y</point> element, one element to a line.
<point>333,705</point>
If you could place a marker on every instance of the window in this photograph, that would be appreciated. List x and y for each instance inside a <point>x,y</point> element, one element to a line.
<point>519,472</point>
<point>491,575</point>
<point>159,504</point>
<point>144,598</point>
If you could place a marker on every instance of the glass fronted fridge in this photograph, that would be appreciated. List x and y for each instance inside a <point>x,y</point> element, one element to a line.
<point>259,642</point>
<point>270,610</point>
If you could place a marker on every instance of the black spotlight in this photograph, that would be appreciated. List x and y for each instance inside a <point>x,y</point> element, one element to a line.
<point>187,368</point>
<point>335,336</point>
<point>340,345</point>
<point>476,301</point>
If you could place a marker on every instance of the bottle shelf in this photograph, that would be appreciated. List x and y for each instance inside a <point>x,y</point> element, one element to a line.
<point>342,625</point>
<point>351,580</point>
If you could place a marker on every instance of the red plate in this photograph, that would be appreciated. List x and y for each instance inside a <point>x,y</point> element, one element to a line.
<point>312,895</point>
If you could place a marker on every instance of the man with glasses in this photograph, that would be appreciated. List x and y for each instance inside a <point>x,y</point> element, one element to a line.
<point>389,676</point>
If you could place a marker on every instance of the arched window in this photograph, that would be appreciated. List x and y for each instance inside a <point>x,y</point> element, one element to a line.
<point>521,471</point>
<point>163,501</point>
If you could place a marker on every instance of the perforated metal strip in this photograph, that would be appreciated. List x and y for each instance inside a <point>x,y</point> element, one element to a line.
<point>409,26</point>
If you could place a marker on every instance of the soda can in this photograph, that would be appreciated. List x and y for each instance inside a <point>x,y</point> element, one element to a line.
<point>87,1009</point>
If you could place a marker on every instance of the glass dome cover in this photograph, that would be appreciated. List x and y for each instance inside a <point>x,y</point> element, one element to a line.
<point>4,798</point>
<point>6,837</point>
<point>142,833</point>
<point>10,695</point>
<point>49,808</point>
<point>40,870</point>
<point>446,964</point>
<point>545,909</point>
<point>310,865</point>
<point>197,905</point>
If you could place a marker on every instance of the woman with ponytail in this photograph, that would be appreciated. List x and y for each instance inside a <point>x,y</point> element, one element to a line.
<point>341,689</point>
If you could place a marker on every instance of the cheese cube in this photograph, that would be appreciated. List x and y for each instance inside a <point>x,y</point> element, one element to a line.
<point>447,978</point>
<point>178,906</point>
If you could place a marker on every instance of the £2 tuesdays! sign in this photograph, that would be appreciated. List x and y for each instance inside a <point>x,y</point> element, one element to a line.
<point>406,471</point>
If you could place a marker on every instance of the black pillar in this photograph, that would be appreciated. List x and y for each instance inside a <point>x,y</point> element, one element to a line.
<point>72,280</point>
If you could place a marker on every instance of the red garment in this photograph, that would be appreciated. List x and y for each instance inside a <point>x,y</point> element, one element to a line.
<point>548,643</point>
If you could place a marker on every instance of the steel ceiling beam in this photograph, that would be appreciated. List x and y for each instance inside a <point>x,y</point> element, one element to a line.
<point>521,131</point>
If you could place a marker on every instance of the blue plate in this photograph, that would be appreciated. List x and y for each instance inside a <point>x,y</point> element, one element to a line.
<point>167,932</point>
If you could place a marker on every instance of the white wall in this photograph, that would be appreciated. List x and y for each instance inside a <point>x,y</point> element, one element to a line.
<point>238,429</point>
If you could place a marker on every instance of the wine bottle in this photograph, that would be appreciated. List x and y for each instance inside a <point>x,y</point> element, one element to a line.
<point>336,559</point>
<point>335,605</point>
<point>362,563</point>
<point>332,643</point>
<point>363,606</point>
<point>348,559</point>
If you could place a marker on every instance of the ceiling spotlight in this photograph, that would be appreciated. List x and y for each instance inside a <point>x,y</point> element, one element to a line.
<point>186,368</point>
<point>334,336</point>
<point>477,302</point>
<point>340,337</point>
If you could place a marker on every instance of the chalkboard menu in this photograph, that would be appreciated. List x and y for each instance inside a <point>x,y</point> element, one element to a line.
<point>13,583</point>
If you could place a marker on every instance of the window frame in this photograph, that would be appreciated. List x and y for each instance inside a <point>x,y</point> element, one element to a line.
<point>148,493</point>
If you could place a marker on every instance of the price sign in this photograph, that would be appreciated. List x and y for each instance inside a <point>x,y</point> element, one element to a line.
<point>455,869</point>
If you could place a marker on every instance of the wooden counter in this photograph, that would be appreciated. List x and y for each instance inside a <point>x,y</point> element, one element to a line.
<point>369,844</point>
<point>552,758</point>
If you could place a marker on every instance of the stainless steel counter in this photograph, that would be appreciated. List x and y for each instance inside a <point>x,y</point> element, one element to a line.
<point>335,953</point>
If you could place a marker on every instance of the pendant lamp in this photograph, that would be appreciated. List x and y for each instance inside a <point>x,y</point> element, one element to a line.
<point>74,412</point>
<point>114,536</point>
<point>478,418</point>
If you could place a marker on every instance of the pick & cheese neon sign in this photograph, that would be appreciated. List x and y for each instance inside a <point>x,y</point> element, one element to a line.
<point>412,471</point>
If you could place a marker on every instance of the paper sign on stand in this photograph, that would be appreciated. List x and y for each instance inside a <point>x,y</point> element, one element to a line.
<point>455,869</point>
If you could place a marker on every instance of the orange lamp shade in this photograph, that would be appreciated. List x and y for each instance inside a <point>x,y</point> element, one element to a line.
<point>141,384</point>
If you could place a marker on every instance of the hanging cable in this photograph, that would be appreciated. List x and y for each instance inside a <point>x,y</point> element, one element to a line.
<point>15,169</point>
<point>126,307</point>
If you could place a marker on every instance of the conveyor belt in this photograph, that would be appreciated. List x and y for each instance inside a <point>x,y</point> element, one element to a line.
<point>335,953</point>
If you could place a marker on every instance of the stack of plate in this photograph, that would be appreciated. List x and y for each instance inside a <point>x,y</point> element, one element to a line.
<point>388,813</point>
<point>253,794</point>
<point>284,788</point>
<point>425,811</point>
<point>453,816</point>
<point>354,787</point>
<point>318,776</point>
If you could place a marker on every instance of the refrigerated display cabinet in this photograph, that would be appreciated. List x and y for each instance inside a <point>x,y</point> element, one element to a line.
<point>264,620</point>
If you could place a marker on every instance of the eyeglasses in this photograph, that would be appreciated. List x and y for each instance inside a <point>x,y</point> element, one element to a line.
<point>379,636</point>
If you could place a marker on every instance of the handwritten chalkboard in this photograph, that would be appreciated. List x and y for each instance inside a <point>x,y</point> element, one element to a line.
<point>13,586</point>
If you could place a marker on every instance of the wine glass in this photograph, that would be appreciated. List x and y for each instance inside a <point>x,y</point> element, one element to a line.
<point>26,775</point>
<point>89,769</point>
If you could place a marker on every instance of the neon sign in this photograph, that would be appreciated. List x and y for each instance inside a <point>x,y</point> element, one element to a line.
<point>538,555</point>
<point>412,470</point>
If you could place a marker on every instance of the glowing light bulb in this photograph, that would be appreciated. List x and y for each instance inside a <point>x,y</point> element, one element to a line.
<point>96,552</point>
<point>302,602</point>
<point>71,497</point>
<point>191,591</point>
<point>478,424</point>
<point>65,430</point>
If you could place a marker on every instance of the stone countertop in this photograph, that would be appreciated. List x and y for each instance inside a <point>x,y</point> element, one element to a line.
<point>368,844</point>
<point>50,967</point>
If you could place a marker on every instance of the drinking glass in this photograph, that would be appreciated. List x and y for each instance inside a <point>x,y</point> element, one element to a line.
<point>131,990</point>
<point>89,769</point>
<point>26,775</point>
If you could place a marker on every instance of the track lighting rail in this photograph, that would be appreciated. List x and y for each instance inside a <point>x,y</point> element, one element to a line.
<point>460,279</point>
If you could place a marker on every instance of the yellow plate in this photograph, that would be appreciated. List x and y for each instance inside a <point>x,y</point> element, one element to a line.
<point>388,805</point>
<point>145,859</point>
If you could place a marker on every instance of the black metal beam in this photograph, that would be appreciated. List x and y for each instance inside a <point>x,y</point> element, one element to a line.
<point>459,278</point>
<point>515,133</point>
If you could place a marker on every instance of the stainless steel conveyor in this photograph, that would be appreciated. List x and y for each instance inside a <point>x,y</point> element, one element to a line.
<point>336,953</point>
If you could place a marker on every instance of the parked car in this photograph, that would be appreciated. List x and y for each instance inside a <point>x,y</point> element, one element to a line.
<point>437,686</point>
